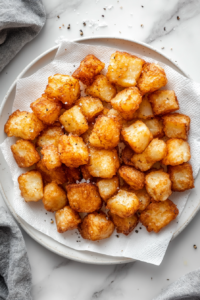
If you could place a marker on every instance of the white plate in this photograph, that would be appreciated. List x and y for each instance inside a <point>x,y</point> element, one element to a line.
<point>193,203</point>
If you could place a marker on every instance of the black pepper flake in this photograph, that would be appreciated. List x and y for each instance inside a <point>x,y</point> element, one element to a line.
<point>117,236</point>
<point>164,28</point>
<point>81,32</point>
<point>136,231</point>
<point>74,66</point>
<point>46,109</point>
<point>142,6</point>
<point>58,17</point>
<point>104,8</point>
<point>195,246</point>
<point>142,25</point>
<point>151,278</point>
<point>84,24</point>
<point>140,227</point>
<point>178,18</point>
<point>103,16</point>
<point>69,27</point>
<point>167,279</point>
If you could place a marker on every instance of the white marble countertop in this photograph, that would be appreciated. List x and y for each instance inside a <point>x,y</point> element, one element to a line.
<point>171,26</point>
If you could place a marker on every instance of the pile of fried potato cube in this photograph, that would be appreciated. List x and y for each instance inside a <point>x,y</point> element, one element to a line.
<point>120,148</point>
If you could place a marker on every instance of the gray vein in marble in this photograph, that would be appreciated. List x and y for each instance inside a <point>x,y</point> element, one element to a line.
<point>185,10</point>
<point>60,7</point>
<point>112,282</point>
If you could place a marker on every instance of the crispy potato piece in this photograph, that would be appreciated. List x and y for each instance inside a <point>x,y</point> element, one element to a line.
<point>101,88</point>
<point>143,197</point>
<point>24,153</point>
<point>96,226</point>
<point>132,176</point>
<point>108,187</point>
<point>163,102</point>
<point>74,121</point>
<point>127,101</point>
<point>90,107</point>
<point>178,152</point>
<point>176,126</point>
<point>158,185</point>
<point>152,78</point>
<point>145,110</point>
<point>158,215</point>
<point>24,125</point>
<point>124,204</point>
<point>106,133</point>
<point>154,152</point>
<point>124,69</point>
<point>67,219</point>
<point>86,135</point>
<point>57,175</point>
<point>155,125</point>
<point>89,67</point>
<point>85,172</point>
<point>73,151</point>
<point>103,163</point>
<point>46,110</point>
<point>63,88</point>
<point>137,135</point>
<point>51,158</point>
<point>83,197</point>
<point>49,136</point>
<point>114,114</point>
<point>127,154</point>
<point>54,197</point>
<point>72,175</point>
<point>124,225</point>
<point>31,186</point>
<point>181,177</point>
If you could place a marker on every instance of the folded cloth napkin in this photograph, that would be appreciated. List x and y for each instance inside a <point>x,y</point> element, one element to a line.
<point>15,273</point>
<point>20,22</point>
<point>186,287</point>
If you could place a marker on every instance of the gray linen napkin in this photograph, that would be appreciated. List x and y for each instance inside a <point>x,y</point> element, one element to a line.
<point>15,273</point>
<point>20,22</point>
<point>186,287</point>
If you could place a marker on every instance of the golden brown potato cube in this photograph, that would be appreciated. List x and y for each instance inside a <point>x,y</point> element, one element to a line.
<point>31,186</point>
<point>24,125</point>
<point>89,67</point>
<point>51,158</point>
<point>127,154</point>
<point>158,214</point>
<point>124,225</point>
<point>85,172</point>
<point>63,88</point>
<point>114,114</point>
<point>152,78</point>
<point>178,152</point>
<point>54,197</point>
<point>181,177</point>
<point>67,219</point>
<point>143,197</point>
<point>73,151</point>
<point>101,88</point>
<point>127,101</point>
<point>90,107</point>
<point>139,161</point>
<point>124,69</point>
<point>74,121</point>
<point>163,102</point>
<point>72,175</point>
<point>46,110</point>
<point>108,187</point>
<point>145,110</point>
<point>83,197</point>
<point>158,185</point>
<point>176,126</point>
<point>155,151</point>
<point>137,135</point>
<point>86,135</point>
<point>155,125</point>
<point>96,226</point>
<point>124,204</point>
<point>132,176</point>
<point>106,133</point>
<point>49,136</point>
<point>103,163</point>
<point>24,153</point>
<point>57,175</point>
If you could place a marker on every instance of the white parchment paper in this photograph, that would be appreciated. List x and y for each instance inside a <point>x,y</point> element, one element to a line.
<point>144,246</point>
